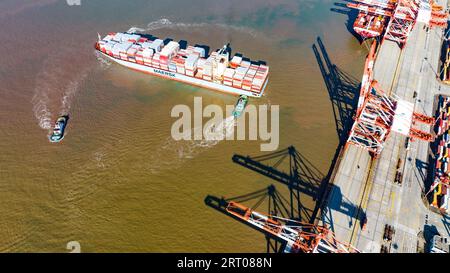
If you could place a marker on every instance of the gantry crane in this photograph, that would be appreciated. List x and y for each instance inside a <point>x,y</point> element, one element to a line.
<point>402,14</point>
<point>299,237</point>
<point>378,114</point>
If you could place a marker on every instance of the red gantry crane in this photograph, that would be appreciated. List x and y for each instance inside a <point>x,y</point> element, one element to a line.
<point>299,237</point>
<point>378,114</point>
<point>400,14</point>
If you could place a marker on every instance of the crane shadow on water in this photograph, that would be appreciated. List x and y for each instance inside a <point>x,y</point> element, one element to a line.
<point>343,90</point>
<point>351,17</point>
<point>301,178</point>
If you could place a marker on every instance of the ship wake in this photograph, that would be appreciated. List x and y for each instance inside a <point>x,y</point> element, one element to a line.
<point>165,23</point>
<point>172,154</point>
<point>56,85</point>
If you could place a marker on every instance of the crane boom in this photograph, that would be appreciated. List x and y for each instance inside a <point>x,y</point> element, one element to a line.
<point>298,236</point>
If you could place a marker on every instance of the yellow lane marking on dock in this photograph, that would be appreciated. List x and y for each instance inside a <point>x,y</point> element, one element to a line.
<point>396,73</point>
<point>364,200</point>
<point>392,204</point>
<point>352,174</point>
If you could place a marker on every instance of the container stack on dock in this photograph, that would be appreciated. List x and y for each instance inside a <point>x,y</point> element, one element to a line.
<point>190,61</point>
<point>441,183</point>
<point>445,74</point>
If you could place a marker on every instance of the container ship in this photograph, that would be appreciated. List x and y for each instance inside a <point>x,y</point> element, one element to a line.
<point>190,64</point>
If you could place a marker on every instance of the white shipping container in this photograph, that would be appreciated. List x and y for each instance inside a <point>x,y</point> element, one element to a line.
<point>157,45</point>
<point>201,51</point>
<point>239,77</point>
<point>245,64</point>
<point>118,37</point>
<point>109,46</point>
<point>170,49</point>
<point>148,53</point>
<point>124,37</point>
<point>236,60</point>
<point>115,51</point>
<point>133,37</point>
<point>207,65</point>
<point>229,73</point>
<point>123,47</point>
<point>207,72</point>
<point>108,38</point>
<point>237,84</point>
<point>131,52</point>
<point>201,63</point>
<point>180,70</point>
<point>147,44</point>
<point>251,72</point>
<point>241,71</point>
<point>173,44</point>
<point>191,61</point>
<point>221,69</point>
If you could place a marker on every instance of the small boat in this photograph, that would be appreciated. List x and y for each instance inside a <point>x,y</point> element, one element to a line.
<point>58,130</point>
<point>240,106</point>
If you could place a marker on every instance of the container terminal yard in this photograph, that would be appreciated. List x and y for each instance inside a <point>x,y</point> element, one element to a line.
<point>383,169</point>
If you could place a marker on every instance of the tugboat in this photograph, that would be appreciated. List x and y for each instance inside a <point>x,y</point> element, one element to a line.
<point>58,130</point>
<point>240,106</point>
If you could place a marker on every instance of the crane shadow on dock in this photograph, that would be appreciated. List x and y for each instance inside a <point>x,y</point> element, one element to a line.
<point>446,223</point>
<point>423,168</point>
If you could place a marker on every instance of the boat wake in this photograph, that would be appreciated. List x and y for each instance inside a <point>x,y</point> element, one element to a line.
<point>166,23</point>
<point>41,112</point>
<point>48,82</point>
<point>69,92</point>
<point>172,153</point>
<point>56,86</point>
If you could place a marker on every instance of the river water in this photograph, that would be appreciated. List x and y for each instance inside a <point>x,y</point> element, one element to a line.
<point>118,181</point>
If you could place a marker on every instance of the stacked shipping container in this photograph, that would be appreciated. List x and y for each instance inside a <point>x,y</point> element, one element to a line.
<point>441,194</point>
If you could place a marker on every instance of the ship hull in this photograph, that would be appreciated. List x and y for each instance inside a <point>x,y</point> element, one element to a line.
<point>186,79</point>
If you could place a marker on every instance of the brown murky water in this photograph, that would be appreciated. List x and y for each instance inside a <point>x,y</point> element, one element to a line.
<point>118,182</point>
